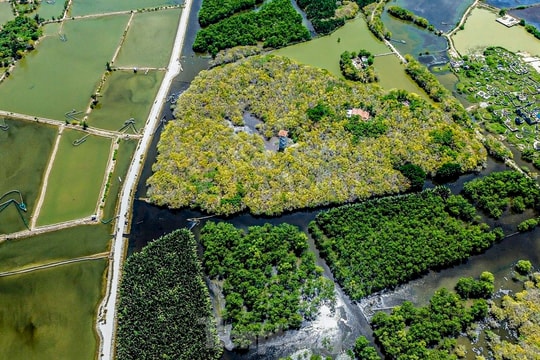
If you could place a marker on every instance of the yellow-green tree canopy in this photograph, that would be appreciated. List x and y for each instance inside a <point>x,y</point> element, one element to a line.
<point>204,161</point>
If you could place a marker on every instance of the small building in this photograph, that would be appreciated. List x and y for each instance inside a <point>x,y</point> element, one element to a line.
<point>364,115</point>
<point>283,139</point>
<point>508,20</point>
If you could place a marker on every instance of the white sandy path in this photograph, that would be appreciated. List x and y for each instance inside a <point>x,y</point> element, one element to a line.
<point>106,320</point>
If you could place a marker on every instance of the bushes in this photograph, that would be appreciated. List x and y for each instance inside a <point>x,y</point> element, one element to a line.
<point>415,174</point>
<point>468,288</point>
<point>497,191</point>
<point>276,24</point>
<point>380,244</point>
<point>270,280</point>
<point>17,36</point>
<point>350,71</point>
<point>164,310</point>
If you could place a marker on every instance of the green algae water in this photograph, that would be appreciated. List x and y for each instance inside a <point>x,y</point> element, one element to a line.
<point>61,75</point>
<point>324,52</point>
<point>25,149</point>
<point>479,33</point>
<point>87,7</point>
<point>149,39</point>
<point>5,12</point>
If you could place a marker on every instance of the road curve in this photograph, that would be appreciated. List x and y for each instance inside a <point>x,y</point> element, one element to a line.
<point>106,320</point>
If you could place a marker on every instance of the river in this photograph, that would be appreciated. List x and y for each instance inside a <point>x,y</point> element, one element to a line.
<point>332,332</point>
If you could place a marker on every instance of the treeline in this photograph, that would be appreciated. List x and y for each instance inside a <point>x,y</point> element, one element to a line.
<point>16,37</point>
<point>497,191</point>
<point>270,280</point>
<point>407,15</point>
<point>321,14</point>
<point>373,12</point>
<point>164,310</point>
<point>213,11</point>
<point>350,71</point>
<point>379,244</point>
<point>533,30</point>
<point>435,90</point>
<point>276,24</point>
<point>204,163</point>
<point>428,332</point>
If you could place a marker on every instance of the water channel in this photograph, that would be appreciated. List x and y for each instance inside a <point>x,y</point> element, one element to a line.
<point>331,333</point>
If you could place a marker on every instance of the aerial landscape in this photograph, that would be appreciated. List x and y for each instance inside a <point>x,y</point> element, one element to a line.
<point>279,179</point>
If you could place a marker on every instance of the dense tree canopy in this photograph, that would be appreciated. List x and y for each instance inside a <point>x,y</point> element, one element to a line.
<point>17,36</point>
<point>382,243</point>
<point>426,332</point>
<point>204,161</point>
<point>214,10</point>
<point>499,190</point>
<point>165,310</point>
<point>276,24</point>
<point>358,67</point>
<point>270,280</point>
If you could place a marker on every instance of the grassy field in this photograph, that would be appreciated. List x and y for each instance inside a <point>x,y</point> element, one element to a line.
<point>85,7</point>
<point>479,30</point>
<point>50,314</point>
<point>126,95</point>
<point>149,40</point>
<point>76,178</point>
<point>61,75</point>
<point>25,149</point>
<point>123,159</point>
<point>54,246</point>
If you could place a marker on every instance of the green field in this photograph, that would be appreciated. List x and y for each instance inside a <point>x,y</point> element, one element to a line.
<point>54,246</point>
<point>50,314</point>
<point>76,178</point>
<point>123,160</point>
<point>126,95</point>
<point>61,75</point>
<point>149,40</point>
<point>86,7</point>
<point>25,149</point>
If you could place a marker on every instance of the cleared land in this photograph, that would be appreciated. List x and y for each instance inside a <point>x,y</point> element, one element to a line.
<point>55,246</point>
<point>56,318</point>
<point>76,178</point>
<point>149,34</point>
<point>126,95</point>
<point>85,7</point>
<point>25,149</point>
<point>479,30</point>
<point>73,66</point>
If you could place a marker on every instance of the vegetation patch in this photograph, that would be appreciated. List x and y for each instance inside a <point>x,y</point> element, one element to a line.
<point>213,11</point>
<point>379,244</point>
<point>204,161</point>
<point>270,280</point>
<point>16,37</point>
<point>51,314</point>
<point>164,310</point>
<point>498,191</point>
<point>358,67</point>
<point>276,24</point>
<point>427,332</point>
<point>407,15</point>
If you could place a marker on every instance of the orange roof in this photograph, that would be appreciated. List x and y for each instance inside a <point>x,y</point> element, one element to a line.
<point>283,133</point>
<point>362,113</point>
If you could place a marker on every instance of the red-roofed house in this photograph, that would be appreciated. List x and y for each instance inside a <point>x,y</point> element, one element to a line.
<point>364,115</point>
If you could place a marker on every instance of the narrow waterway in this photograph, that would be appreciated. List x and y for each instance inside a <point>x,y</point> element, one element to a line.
<point>332,332</point>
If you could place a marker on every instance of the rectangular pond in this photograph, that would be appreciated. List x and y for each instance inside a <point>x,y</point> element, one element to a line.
<point>87,7</point>
<point>76,178</point>
<point>5,12</point>
<point>126,95</point>
<point>25,149</point>
<point>50,314</point>
<point>149,39</point>
<point>61,75</point>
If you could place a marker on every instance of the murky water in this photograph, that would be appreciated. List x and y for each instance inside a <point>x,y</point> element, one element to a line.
<point>5,12</point>
<point>479,30</point>
<point>443,14</point>
<point>85,7</point>
<point>511,3</point>
<point>530,15</point>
